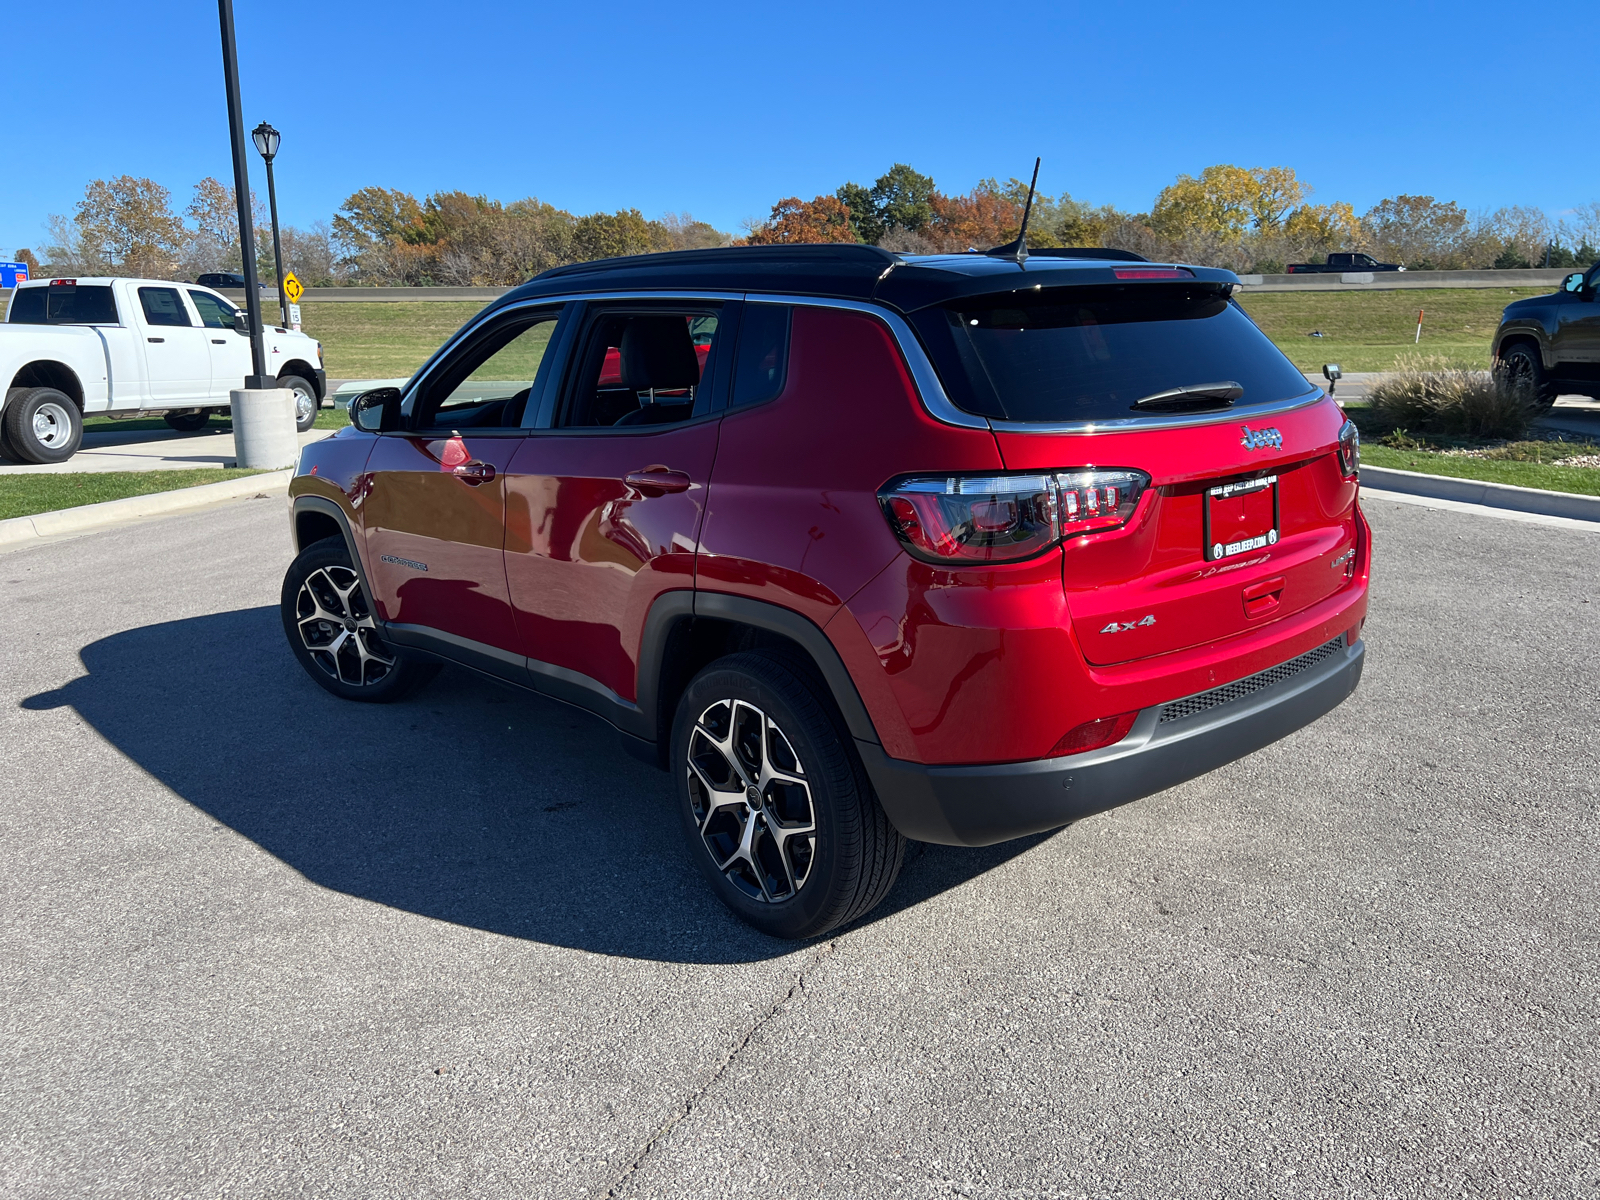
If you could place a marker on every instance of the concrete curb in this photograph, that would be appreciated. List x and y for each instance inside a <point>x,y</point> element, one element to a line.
<point>88,518</point>
<point>1491,495</point>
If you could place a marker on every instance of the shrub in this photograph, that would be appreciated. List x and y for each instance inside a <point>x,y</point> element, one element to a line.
<point>1429,394</point>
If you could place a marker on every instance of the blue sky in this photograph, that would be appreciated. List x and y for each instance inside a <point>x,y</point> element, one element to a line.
<point>721,109</point>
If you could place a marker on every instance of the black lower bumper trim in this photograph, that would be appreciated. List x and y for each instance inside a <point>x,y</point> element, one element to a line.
<point>981,805</point>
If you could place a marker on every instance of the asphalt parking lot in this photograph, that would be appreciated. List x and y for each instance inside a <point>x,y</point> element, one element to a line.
<point>256,942</point>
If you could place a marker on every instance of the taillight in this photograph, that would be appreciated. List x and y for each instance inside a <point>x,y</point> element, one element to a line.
<point>1349,449</point>
<point>1006,518</point>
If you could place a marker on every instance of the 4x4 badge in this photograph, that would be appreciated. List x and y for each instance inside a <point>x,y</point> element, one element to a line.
<point>1124,626</point>
<point>1254,439</point>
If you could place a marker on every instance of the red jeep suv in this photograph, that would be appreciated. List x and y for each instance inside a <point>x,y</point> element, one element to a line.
<point>860,547</point>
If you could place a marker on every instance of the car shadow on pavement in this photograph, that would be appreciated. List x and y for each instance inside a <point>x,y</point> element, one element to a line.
<point>472,802</point>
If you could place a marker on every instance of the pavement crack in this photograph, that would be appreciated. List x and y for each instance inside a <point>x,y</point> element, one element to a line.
<point>689,1104</point>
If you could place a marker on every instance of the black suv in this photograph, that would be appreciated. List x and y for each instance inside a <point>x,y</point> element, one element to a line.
<point>1553,342</point>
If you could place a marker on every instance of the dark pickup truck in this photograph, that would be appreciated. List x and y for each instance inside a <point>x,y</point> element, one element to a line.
<point>1343,262</point>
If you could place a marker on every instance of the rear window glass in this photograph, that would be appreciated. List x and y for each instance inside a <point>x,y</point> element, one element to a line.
<point>163,306</point>
<point>1087,354</point>
<point>63,306</point>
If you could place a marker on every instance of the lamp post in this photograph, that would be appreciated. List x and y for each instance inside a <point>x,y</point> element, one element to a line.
<point>241,192</point>
<point>266,139</point>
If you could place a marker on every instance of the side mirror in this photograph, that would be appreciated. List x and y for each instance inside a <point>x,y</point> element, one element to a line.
<point>241,323</point>
<point>1573,282</point>
<point>377,411</point>
<point>1332,373</point>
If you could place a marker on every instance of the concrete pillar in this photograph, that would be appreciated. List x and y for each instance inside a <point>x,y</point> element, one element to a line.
<point>264,436</point>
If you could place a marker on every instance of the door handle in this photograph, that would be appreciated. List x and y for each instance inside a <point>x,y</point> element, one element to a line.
<point>1262,598</point>
<point>474,472</point>
<point>657,481</point>
<point>155,339</point>
<point>218,342</point>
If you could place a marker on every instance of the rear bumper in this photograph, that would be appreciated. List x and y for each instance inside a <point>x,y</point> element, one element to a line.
<point>981,805</point>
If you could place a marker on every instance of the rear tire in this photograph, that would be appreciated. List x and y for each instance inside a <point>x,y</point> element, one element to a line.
<point>777,810</point>
<point>42,425</point>
<point>305,401</point>
<point>1523,364</point>
<point>332,629</point>
<point>187,422</point>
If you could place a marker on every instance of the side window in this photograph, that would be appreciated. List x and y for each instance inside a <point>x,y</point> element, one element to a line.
<point>487,384</point>
<point>163,306</point>
<point>763,357</point>
<point>215,313</point>
<point>643,368</point>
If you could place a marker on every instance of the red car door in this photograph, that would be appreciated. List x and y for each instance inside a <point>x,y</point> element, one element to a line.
<point>604,507</point>
<point>434,510</point>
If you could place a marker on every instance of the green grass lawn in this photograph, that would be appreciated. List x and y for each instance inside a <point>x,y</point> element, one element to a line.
<point>1366,330</point>
<point>1585,481</point>
<point>25,495</point>
<point>379,340</point>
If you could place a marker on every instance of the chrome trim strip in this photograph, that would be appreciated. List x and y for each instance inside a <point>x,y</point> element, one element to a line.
<point>934,400</point>
<point>1171,421</point>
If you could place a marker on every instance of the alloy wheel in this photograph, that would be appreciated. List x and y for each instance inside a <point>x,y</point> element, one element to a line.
<point>751,801</point>
<point>337,629</point>
<point>51,425</point>
<point>305,404</point>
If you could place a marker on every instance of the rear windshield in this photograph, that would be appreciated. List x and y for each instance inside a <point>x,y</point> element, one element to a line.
<point>1087,354</point>
<point>92,305</point>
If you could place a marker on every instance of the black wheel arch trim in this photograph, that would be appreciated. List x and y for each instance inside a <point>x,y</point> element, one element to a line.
<point>323,506</point>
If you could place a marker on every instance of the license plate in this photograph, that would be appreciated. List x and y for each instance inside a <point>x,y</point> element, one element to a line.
<point>1240,517</point>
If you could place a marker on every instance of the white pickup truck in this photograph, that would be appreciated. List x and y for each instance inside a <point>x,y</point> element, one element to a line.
<point>128,347</point>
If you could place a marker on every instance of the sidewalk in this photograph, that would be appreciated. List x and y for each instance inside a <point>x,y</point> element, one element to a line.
<point>144,450</point>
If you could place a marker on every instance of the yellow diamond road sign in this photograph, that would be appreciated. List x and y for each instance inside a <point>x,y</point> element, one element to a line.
<point>292,288</point>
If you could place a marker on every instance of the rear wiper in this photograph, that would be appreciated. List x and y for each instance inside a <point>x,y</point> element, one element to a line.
<point>1214,395</point>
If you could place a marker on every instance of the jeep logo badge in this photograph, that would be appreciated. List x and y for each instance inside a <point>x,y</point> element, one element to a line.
<point>1254,439</point>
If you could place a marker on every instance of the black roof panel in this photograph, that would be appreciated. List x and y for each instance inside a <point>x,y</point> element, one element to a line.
<point>846,271</point>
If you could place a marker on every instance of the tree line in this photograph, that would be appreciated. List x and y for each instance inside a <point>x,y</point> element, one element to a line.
<point>1248,219</point>
<point>1251,220</point>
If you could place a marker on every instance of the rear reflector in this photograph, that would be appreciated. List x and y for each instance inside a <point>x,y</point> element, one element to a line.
<point>1153,273</point>
<point>1091,735</point>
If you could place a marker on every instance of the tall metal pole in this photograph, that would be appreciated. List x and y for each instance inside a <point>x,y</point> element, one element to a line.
<point>277,248</point>
<point>241,191</point>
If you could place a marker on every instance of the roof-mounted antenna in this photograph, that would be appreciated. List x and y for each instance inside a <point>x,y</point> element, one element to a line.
<point>1019,248</point>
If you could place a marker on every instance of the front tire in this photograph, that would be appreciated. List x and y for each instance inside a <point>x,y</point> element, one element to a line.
<point>305,400</point>
<point>777,810</point>
<point>42,425</point>
<point>329,622</point>
<point>1523,364</point>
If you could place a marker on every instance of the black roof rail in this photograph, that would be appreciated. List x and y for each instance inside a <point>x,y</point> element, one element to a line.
<point>840,254</point>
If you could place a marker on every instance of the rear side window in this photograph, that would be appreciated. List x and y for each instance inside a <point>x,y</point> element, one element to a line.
<point>763,357</point>
<point>1087,354</point>
<point>163,306</point>
<point>214,313</point>
<point>644,367</point>
<point>90,305</point>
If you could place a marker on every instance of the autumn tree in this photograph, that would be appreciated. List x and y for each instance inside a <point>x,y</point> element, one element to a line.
<point>126,226</point>
<point>825,219</point>
<point>26,257</point>
<point>901,198</point>
<point>1418,231</point>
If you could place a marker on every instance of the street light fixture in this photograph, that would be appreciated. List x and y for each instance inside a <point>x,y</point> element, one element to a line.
<point>266,139</point>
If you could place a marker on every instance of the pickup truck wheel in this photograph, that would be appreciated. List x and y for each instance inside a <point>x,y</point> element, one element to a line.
<point>331,628</point>
<point>42,425</point>
<point>776,808</point>
<point>1521,364</point>
<point>305,400</point>
<point>187,422</point>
